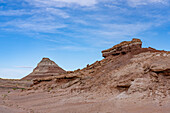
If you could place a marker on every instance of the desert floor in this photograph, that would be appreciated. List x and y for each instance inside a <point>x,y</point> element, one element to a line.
<point>61,101</point>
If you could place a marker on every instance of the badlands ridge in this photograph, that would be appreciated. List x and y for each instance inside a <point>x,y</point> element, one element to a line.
<point>130,79</point>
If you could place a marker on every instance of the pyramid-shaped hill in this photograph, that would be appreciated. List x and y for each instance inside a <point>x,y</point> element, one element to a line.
<point>45,68</point>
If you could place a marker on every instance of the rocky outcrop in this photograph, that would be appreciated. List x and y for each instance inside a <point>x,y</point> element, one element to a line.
<point>45,68</point>
<point>123,48</point>
<point>143,71</point>
<point>161,69</point>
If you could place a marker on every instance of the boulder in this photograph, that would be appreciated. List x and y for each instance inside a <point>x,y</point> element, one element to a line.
<point>161,67</point>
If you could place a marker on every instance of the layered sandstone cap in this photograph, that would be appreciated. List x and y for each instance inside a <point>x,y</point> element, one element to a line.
<point>45,68</point>
<point>123,48</point>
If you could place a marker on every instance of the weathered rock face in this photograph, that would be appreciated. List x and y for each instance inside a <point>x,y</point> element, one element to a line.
<point>143,71</point>
<point>45,68</point>
<point>161,69</point>
<point>123,48</point>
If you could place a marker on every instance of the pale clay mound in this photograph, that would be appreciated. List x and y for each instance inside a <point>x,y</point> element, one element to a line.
<point>45,68</point>
<point>125,81</point>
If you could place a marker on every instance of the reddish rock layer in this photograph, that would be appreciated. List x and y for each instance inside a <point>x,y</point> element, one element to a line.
<point>123,48</point>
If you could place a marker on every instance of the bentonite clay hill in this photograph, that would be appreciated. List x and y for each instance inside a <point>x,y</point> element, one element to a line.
<point>45,68</point>
<point>130,79</point>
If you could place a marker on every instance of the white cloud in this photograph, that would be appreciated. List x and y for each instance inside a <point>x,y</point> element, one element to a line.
<point>47,11</point>
<point>14,73</point>
<point>55,11</point>
<point>135,3</point>
<point>107,33</point>
<point>126,29</point>
<point>62,3</point>
<point>14,13</point>
<point>111,31</point>
<point>34,24</point>
<point>39,27</point>
<point>70,48</point>
<point>23,67</point>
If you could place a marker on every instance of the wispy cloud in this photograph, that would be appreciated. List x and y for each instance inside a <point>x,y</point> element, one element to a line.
<point>106,34</point>
<point>23,67</point>
<point>35,24</point>
<point>46,11</point>
<point>62,3</point>
<point>107,21</point>
<point>14,13</point>
<point>126,29</point>
<point>55,11</point>
<point>14,73</point>
<point>70,48</point>
<point>39,27</point>
<point>135,3</point>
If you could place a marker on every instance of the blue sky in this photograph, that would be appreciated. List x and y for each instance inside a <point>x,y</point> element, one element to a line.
<point>74,32</point>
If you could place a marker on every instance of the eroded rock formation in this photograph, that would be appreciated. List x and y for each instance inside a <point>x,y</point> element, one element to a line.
<point>123,48</point>
<point>127,68</point>
<point>129,79</point>
<point>45,68</point>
